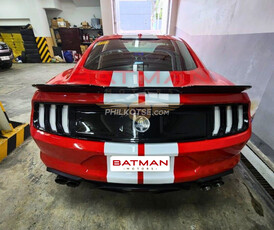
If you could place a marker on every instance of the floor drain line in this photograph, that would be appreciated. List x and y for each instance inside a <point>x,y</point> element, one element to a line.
<point>258,176</point>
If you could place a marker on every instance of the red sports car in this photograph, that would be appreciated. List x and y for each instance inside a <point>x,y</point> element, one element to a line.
<point>140,112</point>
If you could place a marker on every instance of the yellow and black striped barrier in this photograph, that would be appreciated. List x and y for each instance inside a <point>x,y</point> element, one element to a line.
<point>43,49</point>
<point>12,134</point>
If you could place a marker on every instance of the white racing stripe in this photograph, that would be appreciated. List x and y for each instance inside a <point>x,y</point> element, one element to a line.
<point>160,177</point>
<point>156,98</point>
<point>116,98</point>
<point>136,44</point>
<point>120,79</point>
<point>150,98</point>
<point>130,79</point>
<point>161,149</point>
<point>157,79</point>
<point>121,177</point>
<point>158,149</point>
<point>124,79</point>
<point>120,149</point>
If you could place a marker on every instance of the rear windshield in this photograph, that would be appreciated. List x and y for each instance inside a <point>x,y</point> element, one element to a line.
<point>140,55</point>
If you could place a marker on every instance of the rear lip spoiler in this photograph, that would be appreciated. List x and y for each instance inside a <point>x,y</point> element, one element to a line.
<point>194,89</point>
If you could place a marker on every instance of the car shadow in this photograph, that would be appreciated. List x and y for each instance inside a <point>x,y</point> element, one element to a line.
<point>140,201</point>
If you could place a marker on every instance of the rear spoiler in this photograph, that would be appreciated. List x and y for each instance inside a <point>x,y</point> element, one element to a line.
<point>195,89</point>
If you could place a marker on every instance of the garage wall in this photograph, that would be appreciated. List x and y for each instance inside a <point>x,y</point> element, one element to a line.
<point>219,17</point>
<point>76,13</point>
<point>235,38</point>
<point>263,124</point>
<point>12,12</point>
<point>18,13</point>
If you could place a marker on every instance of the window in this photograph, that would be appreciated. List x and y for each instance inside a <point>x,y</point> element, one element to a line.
<point>140,55</point>
<point>141,16</point>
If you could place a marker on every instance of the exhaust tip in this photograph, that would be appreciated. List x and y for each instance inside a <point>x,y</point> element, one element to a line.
<point>218,183</point>
<point>73,184</point>
<point>205,188</point>
<point>61,180</point>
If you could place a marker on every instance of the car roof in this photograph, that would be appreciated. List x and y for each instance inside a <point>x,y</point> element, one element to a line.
<point>138,36</point>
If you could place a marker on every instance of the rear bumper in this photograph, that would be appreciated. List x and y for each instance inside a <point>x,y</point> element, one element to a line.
<point>5,62</point>
<point>89,159</point>
<point>145,187</point>
<point>6,53</point>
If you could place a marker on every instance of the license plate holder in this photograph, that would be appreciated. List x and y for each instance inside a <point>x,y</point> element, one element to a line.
<point>140,163</point>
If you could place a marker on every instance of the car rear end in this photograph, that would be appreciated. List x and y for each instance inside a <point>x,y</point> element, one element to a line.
<point>137,128</point>
<point>6,55</point>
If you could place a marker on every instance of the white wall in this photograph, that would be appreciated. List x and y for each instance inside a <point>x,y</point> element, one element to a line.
<point>13,9</point>
<point>75,14</point>
<point>235,38</point>
<point>217,17</point>
<point>38,19</point>
<point>232,37</point>
<point>19,13</point>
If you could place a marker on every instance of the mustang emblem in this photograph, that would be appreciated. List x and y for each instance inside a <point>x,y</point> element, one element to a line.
<point>141,124</point>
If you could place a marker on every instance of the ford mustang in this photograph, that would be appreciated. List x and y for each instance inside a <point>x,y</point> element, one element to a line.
<point>140,113</point>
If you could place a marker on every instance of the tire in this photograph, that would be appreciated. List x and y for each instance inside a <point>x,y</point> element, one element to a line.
<point>7,65</point>
<point>23,57</point>
<point>34,60</point>
<point>26,32</point>
<point>30,58</point>
<point>28,38</point>
<point>31,51</point>
<point>30,46</point>
<point>33,56</point>
<point>30,43</point>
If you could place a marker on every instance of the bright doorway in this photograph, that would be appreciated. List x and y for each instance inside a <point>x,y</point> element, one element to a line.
<point>141,16</point>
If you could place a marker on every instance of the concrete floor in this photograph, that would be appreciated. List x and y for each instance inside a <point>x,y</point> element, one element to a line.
<point>30,199</point>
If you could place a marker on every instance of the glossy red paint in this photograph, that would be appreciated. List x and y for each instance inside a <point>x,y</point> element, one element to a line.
<point>94,98</point>
<point>87,159</point>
